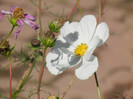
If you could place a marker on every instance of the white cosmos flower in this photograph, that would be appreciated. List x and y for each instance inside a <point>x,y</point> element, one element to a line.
<point>75,46</point>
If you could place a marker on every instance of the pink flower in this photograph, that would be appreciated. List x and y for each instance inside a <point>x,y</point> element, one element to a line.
<point>20,17</point>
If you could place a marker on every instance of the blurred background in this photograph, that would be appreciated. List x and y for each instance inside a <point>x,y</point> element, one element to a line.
<point>115,72</point>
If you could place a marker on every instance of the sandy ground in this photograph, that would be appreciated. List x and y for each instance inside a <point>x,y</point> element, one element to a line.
<point>115,72</point>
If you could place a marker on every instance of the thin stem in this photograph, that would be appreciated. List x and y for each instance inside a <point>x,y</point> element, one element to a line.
<point>39,16</point>
<point>74,7</point>
<point>101,9</point>
<point>103,6</point>
<point>80,10</point>
<point>99,12</point>
<point>41,73</point>
<point>10,82</point>
<point>98,89</point>
<point>24,77</point>
<point>68,87</point>
<point>7,36</point>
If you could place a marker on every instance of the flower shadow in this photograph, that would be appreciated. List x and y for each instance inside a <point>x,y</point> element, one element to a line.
<point>70,38</point>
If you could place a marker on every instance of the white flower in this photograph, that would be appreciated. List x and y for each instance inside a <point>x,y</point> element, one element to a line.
<point>75,46</point>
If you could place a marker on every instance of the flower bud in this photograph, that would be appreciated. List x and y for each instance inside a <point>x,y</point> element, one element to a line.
<point>35,43</point>
<point>49,39</point>
<point>5,49</point>
<point>53,97</point>
<point>56,24</point>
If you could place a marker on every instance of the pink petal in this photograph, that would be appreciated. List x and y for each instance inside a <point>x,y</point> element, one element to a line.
<point>1,16</point>
<point>20,23</point>
<point>30,17</point>
<point>12,8</point>
<point>31,23</point>
<point>18,31</point>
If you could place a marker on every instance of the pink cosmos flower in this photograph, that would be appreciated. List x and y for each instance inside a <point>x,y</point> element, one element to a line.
<point>18,15</point>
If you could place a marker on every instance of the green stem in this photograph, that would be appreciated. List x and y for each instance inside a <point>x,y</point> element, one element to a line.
<point>10,82</point>
<point>98,89</point>
<point>80,10</point>
<point>41,73</point>
<point>7,36</point>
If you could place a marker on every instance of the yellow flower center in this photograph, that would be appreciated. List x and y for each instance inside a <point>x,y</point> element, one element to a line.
<point>18,13</point>
<point>81,49</point>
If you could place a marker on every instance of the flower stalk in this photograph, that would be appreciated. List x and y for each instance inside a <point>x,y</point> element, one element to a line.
<point>73,9</point>
<point>7,36</point>
<point>24,76</point>
<point>97,84</point>
<point>35,44</point>
<point>80,10</point>
<point>68,87</point>
<point>39,17</point>
<point>41,73</point>
<point>103,6</point>
<point>99,20</point>
<point>100,10</point>
<point>10,82</point>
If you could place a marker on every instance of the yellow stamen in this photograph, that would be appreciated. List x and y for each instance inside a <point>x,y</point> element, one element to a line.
<point>81,49</point>
<point>18,13</point>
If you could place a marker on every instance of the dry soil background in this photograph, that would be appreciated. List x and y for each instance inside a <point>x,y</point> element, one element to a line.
<point>115,72</point>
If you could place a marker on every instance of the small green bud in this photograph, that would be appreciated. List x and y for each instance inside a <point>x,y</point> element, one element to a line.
<point>49,39</point>
<point>53,97</point>
<point>13,21</point>
<point>56,24</point>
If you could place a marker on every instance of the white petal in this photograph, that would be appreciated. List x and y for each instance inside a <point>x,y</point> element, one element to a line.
<point>87,27</point>
<point>53,70</point>
<point>52,59</point>
<point>102,31</point>
<point>70,33</point>
<point>57,61</point>
<point>63,44</point>
<point>74,60</point>
<point>67,61</point>
<point>101,35</point>
<point>94,43</point>
<point>87,68</point>
<point>69,29</point>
